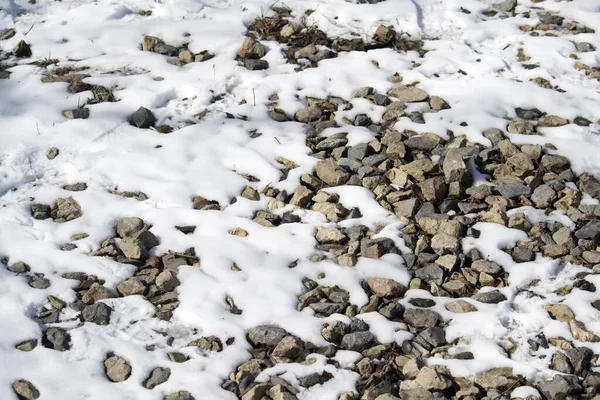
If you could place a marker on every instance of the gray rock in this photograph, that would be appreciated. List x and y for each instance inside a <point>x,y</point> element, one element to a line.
<point>98,313</point>
<point>142,118</point>
<point>560,362</point>
<point>8,34</point>
<point>590,231</point>
<point>560,386</point>
<point>580,359</point>
<point>434,189</point>
<point>522,254</point>
<point>424,142</point>
<point>167,280</point>
<point>328,309</point>
<point>359,151</point>
<point>131,287</point>
<point>37,281</point>
<point>489,267</point>
<point>19,267</point>
<point>266,335</point>
<point>431,273</point>
<point>490,297</point>
<point>136,247</point>
<point>256,65</point>
<point>22,50</point>
<point>433,337</point>
<point>25,390</point>
<point>511,189</point>
<point>363,91</point>
<point>521,127</point>
<point>172,261</point>
<point>329,172</point>
<point>76,187</point>
<point>358,341</point>
<point>421,318</point>
<point>67,209</point>
<point>208,343</point>
<point>180,395</point>
<point>392,311</point>
<point>408,94</point>
<point>585,47</point>
<point>506,6</point>
<point>52,153</point>
<point>331,143</point>
<point>252,49</point>
<point>57,339</point>
<point>494,135</point>
<point>288,349</point>
<point>27,345</point>
<point>544,196</point>
<point>309,114</point>
<point>159,375</point>
<point>128,226</point>
<point>589,185</point>
<point>455,169</point>
<point>334,331</point>
<point>117,369</point>
<point>77,113</point>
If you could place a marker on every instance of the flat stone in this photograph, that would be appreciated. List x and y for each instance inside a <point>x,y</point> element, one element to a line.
<point>117,369</point>
<point>490,297</point>
<point>408,94</point>
<point>266,335</point>
<point>421,318</point>
<point>25,390</point>
<point>357,341</point>
<point>460,307</point>
<point>180,395</point>
<point>98,313</point>
<point>159,375</point>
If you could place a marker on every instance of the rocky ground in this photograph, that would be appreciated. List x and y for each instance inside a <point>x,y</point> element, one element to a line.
<point>317,200</point>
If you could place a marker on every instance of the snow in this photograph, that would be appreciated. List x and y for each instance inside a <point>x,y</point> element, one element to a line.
<point>206,159</point>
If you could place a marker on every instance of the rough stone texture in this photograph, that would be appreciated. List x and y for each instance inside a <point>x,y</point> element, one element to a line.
<point>357,341</point>
<point>158,375</point>
<point>117,369</point>
<point>98,313</point>
<point>266,335</point>
<point>386,288</point>
<point>25,390</point>
<point>142,118</point>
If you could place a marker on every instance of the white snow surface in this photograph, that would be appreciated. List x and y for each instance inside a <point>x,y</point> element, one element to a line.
<point>206,159</point>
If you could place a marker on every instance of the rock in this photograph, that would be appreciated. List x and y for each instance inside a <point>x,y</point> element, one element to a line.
<point>327,309</point>
<point>305,52</point>
<point>386,288</point>
<point>117,369</point>
<point>329,172</point>
<point>560,362</point>
<point>496,378</point>
<point>432,337</point>
<point>421,318</point>
<point>334,331</point>
<point>460,307</point>
<point>581,333</point>
<point>494,135</point>
<point>434,189</point>
<point>52,153</point>
<point>167,280</point>
<point>506,6</point>
<point>27,345</point>
<point>443,243</point>
<point>357,341</point>
<point>129,226</point>
<point>266,335</point>
<point>589,185</point>
<point>302,197</point>
<point>98,313</point>
<point>454,167</point>
<point>131,287</point>
<point>204,55</point>
<point>585,47</point>
<point>136,247</point>
<point>252,49</point>
<point>142,118</point>
<point>77,113</point>
<point>288,349</point>
<point>544,196</point>
<point>489,267</point>
<point>560,386</point>
<point>561,312</point>
<point>530,114</point>
<point>521,127</point>
<point>257,392</point>
<point>180,395</point>
<point>158,376</point>
<point>250,193</point>
<point>431,273</point>
<point>25,390</point>
<point>512,189</point>
<point>330,235</point>
<point>551,121</point>
<point>308,114</point>
<point>278,392</point>
<point>8,34</point>
<point>425,142</point>
<point>57,339</point>
<point>67,209</point>
<point>208,343</point>
<point>490,297</point>
<point>428,378</point>
<point>22,50</point>
<point>256,65</point>
<point>590,231</point>
<point>437,103</point>
<point>580,358</point>
<point>19,267</point>
<point>408,94</point>
<point>96,292</point>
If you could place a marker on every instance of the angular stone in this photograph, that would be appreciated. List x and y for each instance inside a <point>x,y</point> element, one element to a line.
<point>167,280</point>
<point>142,118</point>
<point>252,49</point>
<point>159,375</point>
<point>357,341</point>
<point>129,226</point>
<point>386,288</point>
<point>98,313</point>
<point>57,339</point>
<point>117,369</point>
<point>302,197</point>
<point>434,189</point>
<point>329,172</point>
<point>266,335</point>
<point>521,127</point>
<point>421,318</point>
<point>308,114</point>
<point>131,287</point>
